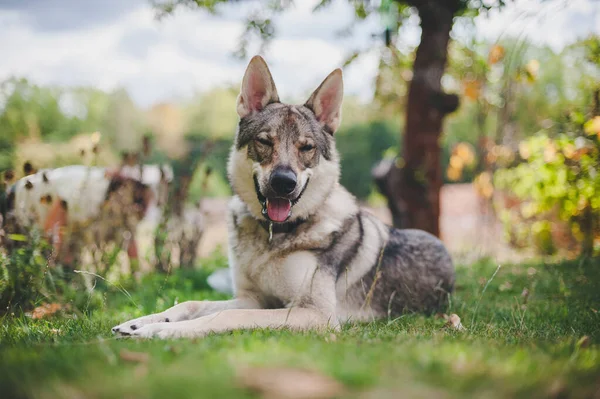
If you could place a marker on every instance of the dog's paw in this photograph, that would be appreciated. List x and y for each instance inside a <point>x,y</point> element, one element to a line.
<point>158,330</point>
<point>168,331</point>
<point>130,326</point>
<point>147,331</point>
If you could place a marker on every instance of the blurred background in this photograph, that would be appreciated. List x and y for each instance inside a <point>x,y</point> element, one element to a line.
<point>476,120</point>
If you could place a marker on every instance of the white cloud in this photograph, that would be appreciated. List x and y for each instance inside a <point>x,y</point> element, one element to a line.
<point>555,23</point>
<point>191,51</point>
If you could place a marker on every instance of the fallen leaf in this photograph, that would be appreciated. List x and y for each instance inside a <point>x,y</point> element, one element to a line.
<point>45,310</point>
<point>454,322</point>
<point>289,383</point>
<point>134,357</point>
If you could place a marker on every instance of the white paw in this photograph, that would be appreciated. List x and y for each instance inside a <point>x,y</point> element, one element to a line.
<point>130,326</point>
<point>159,330</point>
<point>169,331</point>
<point>147,331</point>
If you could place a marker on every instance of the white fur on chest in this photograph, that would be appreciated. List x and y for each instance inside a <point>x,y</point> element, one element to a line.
<point>268,273</point>
<point>286,270</point>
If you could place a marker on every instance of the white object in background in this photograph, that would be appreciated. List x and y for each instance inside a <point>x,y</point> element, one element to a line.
<point>221,281</point>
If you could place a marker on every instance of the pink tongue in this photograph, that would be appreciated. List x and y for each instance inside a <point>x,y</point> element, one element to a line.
<point>278,209</point>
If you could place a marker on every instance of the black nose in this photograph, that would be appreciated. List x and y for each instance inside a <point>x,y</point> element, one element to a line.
<point>283,181</point>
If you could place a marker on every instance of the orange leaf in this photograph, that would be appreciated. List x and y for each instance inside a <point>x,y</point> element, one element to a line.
<point>496,54</point>
<point>471,89</point>
<point>289,383</point>
<point>134,357</point>
<point>47,309</point>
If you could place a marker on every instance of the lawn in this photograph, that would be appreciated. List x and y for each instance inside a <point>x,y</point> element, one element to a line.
<point>534,331</point>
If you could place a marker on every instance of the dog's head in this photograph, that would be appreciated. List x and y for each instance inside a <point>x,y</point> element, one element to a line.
<point>284,162</point>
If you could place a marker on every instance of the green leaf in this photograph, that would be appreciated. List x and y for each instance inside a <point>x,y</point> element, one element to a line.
<point>17,237</point>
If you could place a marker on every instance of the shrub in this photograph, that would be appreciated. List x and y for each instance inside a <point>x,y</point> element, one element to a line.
<point>22,274</point>
<point>556,178</point>
<point>27,279</point>
<point>361,147</point>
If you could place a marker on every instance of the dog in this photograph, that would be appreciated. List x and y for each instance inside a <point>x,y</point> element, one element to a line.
<point>302,254</point>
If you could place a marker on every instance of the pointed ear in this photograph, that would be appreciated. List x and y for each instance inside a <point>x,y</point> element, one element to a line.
<point>326,101</point>
<point>258,88</point>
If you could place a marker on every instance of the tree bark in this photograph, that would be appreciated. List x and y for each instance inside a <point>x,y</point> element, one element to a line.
<point>412,184</point>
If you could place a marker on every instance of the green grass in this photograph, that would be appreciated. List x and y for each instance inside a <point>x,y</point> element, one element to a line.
<point>510,349</point>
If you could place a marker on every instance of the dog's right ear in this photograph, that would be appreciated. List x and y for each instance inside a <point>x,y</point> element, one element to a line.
<point>258,88</point>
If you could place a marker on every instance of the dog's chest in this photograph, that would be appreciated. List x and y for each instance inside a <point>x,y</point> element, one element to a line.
<point>273,270</point>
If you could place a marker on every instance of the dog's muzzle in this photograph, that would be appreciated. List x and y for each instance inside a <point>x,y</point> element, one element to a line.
<point>277,209</point>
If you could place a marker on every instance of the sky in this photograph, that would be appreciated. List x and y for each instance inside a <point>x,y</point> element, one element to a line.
<point>119,43</point>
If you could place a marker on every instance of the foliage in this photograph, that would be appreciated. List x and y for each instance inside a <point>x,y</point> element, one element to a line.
<point>22,275</point>
<point>51,113</point>
<point>261,19</point>
<point>360,147</point>
<point>555,180</point>
<point>556,176</point>
<point>28,279</point>
<point>34,114</point>
<point>511,91</point>
<point>531,334</point>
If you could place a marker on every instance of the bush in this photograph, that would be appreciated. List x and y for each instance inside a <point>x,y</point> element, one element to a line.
<point>22,275</point>
<point>361,147</point>
<point>27,279</point>
<point>555,178</point>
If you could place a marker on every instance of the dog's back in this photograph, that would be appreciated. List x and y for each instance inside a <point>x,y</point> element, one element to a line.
<point>413,272</point>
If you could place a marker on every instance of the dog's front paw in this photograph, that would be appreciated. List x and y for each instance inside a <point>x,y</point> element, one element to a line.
<point>169,331</point>
<point>159,330</point>
<point>130,326</point>
<point>147,331</point>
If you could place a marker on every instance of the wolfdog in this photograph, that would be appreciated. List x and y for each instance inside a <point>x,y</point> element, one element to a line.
<point>302,254</point>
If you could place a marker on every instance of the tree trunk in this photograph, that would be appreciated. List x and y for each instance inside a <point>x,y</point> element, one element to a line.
<point>412,184</point>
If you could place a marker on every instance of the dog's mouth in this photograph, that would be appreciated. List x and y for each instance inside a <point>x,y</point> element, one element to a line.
<point>276,209</point>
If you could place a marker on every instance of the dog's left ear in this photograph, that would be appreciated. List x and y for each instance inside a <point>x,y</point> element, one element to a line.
<point>326,101</point>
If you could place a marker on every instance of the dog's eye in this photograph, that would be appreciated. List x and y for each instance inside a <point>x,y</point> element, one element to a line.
<point>264,141</point>
<point>307,147</point>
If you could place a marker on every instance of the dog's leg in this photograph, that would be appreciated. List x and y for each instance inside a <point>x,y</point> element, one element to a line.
<point>186,311</point>
<point>228,320</point>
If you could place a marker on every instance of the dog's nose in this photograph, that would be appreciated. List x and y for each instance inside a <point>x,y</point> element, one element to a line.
<point>283,181</point>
